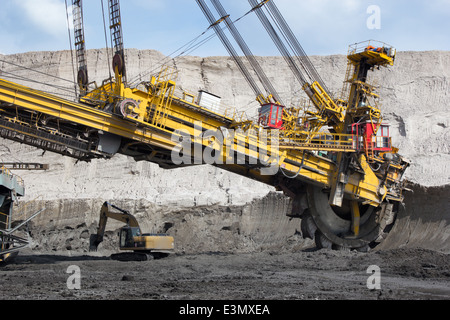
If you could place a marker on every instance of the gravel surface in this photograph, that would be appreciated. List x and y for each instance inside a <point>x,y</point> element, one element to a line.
<point>306,275</point>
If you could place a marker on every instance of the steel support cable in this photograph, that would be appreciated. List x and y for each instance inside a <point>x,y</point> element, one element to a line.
<point>191,46</point>
<point>299,168</point>
<point>247,52</point>
<point>298,49</point>
<point>295,56</point>
<point>69,94</point>
<point>80,46</point>
<point>11,75</point>
<point>278,42</point>
<point>163,61</point>
<point>229,47</point>
<point>280,45</point>
<point>106,39</point>
<point>59,88</point>
<point>196,46</point>
<point>40,72</point>
<point>71,50</point>
<point>115,25</point>
<point>302,58</point>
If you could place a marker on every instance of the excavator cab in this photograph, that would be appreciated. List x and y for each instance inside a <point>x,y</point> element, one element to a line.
<point>126,237</point>
<point>271,116</point>
<point>373,139</point>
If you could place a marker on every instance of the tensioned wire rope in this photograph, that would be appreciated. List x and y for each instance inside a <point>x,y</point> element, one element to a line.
<point>14,76</point>
<point>71,51</point>
<point>190,46</point>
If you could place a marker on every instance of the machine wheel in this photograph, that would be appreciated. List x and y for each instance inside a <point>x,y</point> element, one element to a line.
<point>308,226</point>
<point>332,227</point>
<point>322,242</point>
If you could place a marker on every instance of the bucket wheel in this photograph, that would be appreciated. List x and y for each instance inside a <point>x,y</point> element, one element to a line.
<point>337,228</point>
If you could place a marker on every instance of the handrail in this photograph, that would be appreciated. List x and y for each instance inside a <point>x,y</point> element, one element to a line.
<point>363,45</point>
<point>322,141</point>
<point>7,172</point>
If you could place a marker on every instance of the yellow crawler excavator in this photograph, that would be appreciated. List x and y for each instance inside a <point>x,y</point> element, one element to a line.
<point>138,246</point>
<point>334,157</point>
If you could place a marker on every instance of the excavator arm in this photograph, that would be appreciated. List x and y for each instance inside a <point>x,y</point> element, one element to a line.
<point>110,211</point>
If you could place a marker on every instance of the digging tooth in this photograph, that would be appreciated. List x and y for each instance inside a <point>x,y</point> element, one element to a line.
<point>341,248</point>
<point>365,248</point>
<point>308,226</point>
<point>322,242</point>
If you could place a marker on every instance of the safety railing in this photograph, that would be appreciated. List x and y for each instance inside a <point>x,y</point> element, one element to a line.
<point>368,45</point>
<point>7,172</point>
<point>4,221</point>
<point>373,145</point>
<point>321,141</point>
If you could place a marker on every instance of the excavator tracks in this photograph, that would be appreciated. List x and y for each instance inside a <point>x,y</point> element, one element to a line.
<point>138,256</point>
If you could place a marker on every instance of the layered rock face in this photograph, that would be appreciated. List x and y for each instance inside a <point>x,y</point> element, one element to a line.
<point>414,100</point>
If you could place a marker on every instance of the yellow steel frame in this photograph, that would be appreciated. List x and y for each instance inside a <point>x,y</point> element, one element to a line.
<point>157,114</point>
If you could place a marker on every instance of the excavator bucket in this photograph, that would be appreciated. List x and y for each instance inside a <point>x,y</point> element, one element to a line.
<point>94,241</point>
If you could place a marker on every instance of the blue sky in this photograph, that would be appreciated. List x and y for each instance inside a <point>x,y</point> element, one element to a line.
<point>322,26</point>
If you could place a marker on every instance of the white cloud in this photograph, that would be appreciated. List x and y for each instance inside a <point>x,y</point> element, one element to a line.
<point>48,15</point>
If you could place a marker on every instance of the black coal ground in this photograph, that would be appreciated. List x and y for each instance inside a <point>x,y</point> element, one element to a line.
<point>405,274</point>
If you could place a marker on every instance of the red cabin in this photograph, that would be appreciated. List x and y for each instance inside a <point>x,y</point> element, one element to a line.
<point>271,116</point>
<point>370,140</point>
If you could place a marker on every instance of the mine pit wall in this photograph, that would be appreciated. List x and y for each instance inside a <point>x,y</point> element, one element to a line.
<point>414,94</point>
<point>423,222</point>
<point>261,225</point>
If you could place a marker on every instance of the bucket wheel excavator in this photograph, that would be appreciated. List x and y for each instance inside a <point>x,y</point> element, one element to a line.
<point>332,156</point>
<point>335,214</point>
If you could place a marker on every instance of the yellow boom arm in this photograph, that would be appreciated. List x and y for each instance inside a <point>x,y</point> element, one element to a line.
<point>111,211</point>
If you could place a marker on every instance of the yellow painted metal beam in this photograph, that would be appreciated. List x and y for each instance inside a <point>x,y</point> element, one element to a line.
<point>305,166</point>
<point>38,101</point>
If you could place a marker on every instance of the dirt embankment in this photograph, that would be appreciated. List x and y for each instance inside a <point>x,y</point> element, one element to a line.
<point>424,221</point>
<point>262,225</point>
<point>258,226</point>
<point>225,249</point>
<point>208,213</point>
<point>296,275</point>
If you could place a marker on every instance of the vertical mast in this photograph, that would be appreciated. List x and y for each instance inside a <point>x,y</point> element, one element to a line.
<point>115,25</point>
<point>80,45</point>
